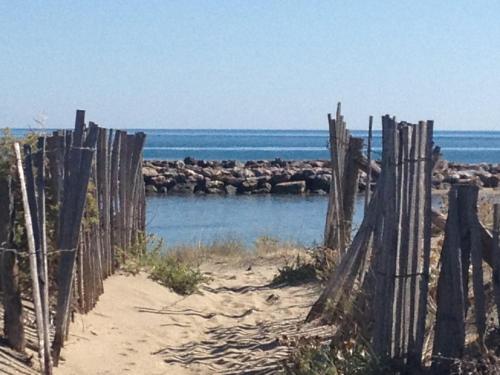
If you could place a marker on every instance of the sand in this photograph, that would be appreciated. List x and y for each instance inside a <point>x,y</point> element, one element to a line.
<point>234,325</point>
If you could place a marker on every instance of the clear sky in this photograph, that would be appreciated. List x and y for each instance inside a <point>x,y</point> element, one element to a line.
<point>250,64</point>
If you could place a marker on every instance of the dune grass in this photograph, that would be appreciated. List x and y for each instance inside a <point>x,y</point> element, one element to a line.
<point>178,267</point>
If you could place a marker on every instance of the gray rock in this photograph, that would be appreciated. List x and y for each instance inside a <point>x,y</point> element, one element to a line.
<point>303,174</point>
<point>231,190</point>
<point>248,185</point>
<point>280,178</point>
<point>189,161</point>
<point>215,184</point>
<point>263,189</point>
<point>187,188</point>
<point>293,187</point>
<point>150,189</point>
<point>319,182</point>
<point>149,172</point>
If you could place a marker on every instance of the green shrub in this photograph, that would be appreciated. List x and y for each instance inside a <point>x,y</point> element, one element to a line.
<point>149,255</point>
<point>296,273</point>
<point>311,357</point>
<point>180,277</point>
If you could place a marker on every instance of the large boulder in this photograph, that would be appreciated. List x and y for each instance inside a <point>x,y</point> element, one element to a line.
<point>280,177</point>
<point>187,188</point>
<point>264,188</point>
<point>293,187</point>
<point>189,160</point>
<point>230,180</point>
<point>248,185</point>
<point>243,173</point>
<point>215,184</point>
<point>303,174</point>
<point>319,182</point>
<point>149,172</point>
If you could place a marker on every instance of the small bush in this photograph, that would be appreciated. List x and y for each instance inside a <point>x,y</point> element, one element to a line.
<point>180,277</point>
<point>149,255</point>
<point>311,357</point>
<point>296,273</point>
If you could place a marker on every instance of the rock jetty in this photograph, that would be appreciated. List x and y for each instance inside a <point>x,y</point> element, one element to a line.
<point>190,176</point>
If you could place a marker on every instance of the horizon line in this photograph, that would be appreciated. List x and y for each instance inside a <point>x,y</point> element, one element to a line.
<point>236,129</point>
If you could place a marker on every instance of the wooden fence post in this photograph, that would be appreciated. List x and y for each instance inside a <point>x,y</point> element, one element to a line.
<point>496,256</point>
<point>75,190</point>
<point>39,163</point>
<point>334,237</point>
<point>13,314</point>
<point>350,183</point>
<point>461,244</point>
<point>369,156</point>
<point>32,258</point>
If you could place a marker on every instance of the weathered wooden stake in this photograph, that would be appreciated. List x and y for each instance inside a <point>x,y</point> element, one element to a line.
<point>44,277</point>
<point>496,256</point>
<point>13,308</point>
<point>32,258</point>
<point>369,156</point>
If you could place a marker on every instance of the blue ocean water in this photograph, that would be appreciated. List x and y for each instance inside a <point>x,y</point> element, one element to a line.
<point>221,144</point>
<point>459,146</point>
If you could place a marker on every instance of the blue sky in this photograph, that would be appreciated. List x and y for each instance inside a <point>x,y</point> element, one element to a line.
<point>250,64</point>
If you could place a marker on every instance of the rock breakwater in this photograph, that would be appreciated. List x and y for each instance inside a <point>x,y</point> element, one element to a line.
<point>190,176</point>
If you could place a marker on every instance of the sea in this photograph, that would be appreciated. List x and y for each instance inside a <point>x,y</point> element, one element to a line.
<point>185,220</point>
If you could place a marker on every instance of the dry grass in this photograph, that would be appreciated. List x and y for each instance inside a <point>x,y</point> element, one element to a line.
<point>265,250</point>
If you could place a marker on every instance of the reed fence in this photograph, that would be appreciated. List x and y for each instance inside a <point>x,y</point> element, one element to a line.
<point>382,280</point>
<point>83,199</point>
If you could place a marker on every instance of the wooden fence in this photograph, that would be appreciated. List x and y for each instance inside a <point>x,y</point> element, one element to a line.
<point>463,249</point>
<point>383,278</point>
<point>388,258</point>
<point>345,150</point>
<point>83,199</point>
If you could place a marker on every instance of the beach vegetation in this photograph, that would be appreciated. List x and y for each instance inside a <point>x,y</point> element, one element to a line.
<point>312,357</point>
<point>149,255</point>
<point>298,272</point>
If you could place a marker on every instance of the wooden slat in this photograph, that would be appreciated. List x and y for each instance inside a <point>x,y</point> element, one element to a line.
<point>496,256</point>
<point>13,308</point>
<point>32,257</point>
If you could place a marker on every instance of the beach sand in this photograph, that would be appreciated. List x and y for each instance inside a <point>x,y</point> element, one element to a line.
<point>231,326</point>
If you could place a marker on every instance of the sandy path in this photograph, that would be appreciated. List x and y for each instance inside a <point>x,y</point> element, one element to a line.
<point>140,327</point>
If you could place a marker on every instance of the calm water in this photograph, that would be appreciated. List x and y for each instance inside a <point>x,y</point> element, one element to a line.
<point>189,220</point>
